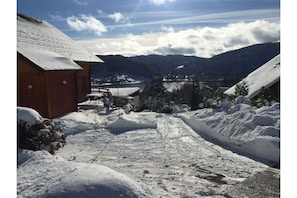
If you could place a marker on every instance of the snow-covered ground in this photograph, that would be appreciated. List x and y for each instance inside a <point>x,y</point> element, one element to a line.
<point>152,155</point>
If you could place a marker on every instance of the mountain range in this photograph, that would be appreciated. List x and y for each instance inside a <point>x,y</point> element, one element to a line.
<point>230,66</point>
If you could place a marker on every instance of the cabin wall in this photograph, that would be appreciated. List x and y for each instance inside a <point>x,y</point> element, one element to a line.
<point>136,101</point>
<point>31,84</point>
<point>83,82</point>
<point>271,94</point>
<point>119,101</point>
<point>51,93</point>
<point>61,92</point>
<point>275,91</point>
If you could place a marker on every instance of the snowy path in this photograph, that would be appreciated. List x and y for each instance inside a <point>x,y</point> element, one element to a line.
<point>170,161</point>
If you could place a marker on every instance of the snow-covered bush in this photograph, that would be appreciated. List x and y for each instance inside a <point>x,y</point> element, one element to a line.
<point>166,109</point>
<point>180,108</point>
<point>37,133</point>
<point>241,89</point>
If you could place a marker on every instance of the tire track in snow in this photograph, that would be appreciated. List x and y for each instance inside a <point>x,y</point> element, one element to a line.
<point>100,152</point>
<point>196,137</point>
<point>173,160</point>
<point>178,137</point>
<point>186,149</point>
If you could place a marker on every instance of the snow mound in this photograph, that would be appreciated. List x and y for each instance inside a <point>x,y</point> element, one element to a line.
<point>76,122</point>
<point>56,177</point>
<point>129,122</point>
<point>29,116</point>
<point>242,128</point>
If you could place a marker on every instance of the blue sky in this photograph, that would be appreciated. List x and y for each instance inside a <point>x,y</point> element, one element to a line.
<point>134,27</point>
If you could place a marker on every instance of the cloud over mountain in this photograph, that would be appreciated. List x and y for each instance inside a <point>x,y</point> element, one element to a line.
<point>202,42</point>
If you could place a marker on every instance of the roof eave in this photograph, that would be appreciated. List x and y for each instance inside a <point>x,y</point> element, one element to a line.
<point>40,68</point>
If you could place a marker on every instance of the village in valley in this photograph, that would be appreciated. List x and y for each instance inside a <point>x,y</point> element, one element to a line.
<point>172,135</point>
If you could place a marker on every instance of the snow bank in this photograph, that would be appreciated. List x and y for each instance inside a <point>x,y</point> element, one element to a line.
<point>242,128</point>
<point>28,116</point>
<point>44,175</point>
<point>76,122</point>
<point>129,122</point>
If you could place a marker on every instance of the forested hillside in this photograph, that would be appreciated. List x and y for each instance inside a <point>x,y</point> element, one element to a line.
<point>231,66</point>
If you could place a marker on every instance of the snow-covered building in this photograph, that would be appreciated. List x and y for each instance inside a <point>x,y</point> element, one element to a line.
<point>121,96</point>
<point>267,76</point>
<point>53,71</point>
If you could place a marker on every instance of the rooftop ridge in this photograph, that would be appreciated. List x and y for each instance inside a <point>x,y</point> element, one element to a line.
<point>29,18</point>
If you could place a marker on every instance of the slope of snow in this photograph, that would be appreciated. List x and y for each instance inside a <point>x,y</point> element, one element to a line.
<point>264,76</point>
<point>57,177</point>
<point>122,124</point>
<point>242,128</point>
<point>149,154</point>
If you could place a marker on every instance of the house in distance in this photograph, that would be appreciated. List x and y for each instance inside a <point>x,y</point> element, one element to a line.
<point>122,96</point>
<point>53,71</point>
<point>266,77</point>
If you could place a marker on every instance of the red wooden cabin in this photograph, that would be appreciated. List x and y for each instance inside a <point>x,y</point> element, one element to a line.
<point>53,72</point>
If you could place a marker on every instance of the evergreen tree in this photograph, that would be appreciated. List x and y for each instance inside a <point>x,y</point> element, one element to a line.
<point>190,93</point>
<point>197,97</point>
<point>155,97</point>
<point>241,89</point>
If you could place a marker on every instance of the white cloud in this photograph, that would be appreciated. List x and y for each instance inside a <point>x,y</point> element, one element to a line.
<point>182,18</point>
<point>202,42</point>
<point>117,17</point>
<point>100,12</point>
<point>86,23</point>
<point>167,29</point>
<point>161,2</point>
<point>81,2</point>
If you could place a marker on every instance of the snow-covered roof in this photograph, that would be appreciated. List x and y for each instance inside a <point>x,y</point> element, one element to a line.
<point>48,60</point>
<point>265,76</point>
<point>124,91</point>
<point>40,42</point>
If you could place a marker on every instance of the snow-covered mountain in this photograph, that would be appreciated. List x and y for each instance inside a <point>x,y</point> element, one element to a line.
<point>232,65</point>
